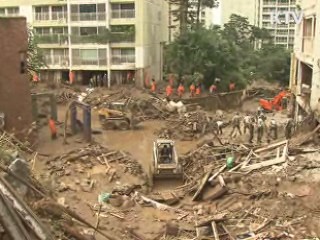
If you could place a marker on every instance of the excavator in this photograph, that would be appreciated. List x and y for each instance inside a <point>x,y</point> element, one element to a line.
<point>116,116</point>
<point>275,103</point>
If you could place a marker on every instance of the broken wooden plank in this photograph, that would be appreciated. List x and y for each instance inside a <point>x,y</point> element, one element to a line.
<point>263,164</point>
<point>215,230</point>
<point>201,187</point>
<point>271,146</point>
<point>278,160</point>
<point>216,218</point>
<point>217,173</point>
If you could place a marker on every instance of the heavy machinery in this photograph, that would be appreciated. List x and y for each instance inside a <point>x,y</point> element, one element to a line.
<point>115,115</point>
<point>275,104</point>
<point>165,161</point>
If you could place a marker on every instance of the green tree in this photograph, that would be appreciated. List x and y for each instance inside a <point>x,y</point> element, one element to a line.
<point>34,56</point>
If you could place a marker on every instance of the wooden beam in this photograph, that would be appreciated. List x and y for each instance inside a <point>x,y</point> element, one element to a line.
<point>215,230</point>
<point>201,187</point>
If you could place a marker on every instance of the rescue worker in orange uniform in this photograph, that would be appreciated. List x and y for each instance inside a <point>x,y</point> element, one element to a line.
<point>153,86</point>
<point>232,86</point>
<point>53,129</point>
<point>169,90</point>
<point>71,77</point>
<point>35,79</point>
<point>180,90</point>
<point>192,90</point>
<point>198,90</point>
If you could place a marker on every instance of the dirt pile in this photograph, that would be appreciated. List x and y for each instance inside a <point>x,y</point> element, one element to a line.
<point>190,126</point>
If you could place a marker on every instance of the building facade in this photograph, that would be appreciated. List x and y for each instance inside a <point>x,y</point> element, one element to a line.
<point>206,18</point>
<point>121,38</point>
<point>273,16</point>
<point>245,8</point>
<point>269,14</point>
<point>15,100</point>
<point>305,64</point>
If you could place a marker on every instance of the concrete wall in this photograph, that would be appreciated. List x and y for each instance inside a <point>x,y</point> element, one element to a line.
<point>15,99</point>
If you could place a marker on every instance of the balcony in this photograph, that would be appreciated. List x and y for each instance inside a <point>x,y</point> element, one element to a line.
<point>54,16</point>
<point>307,45</point>
<point>56,60</point>
<point>93,16</point>
<point>77,61</point>
<point>123,13</point>
<point>101,39</point>
<point>123,59</point>
<point>52,39</point>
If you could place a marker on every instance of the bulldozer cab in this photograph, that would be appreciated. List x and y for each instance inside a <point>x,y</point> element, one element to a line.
<point>119,106</point>
<point>165,159</point>
<point>165,152</point>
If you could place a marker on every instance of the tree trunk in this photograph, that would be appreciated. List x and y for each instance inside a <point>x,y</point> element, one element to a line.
<point>198,12</point>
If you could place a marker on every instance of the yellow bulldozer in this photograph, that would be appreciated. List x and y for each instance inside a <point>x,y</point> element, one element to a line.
<point>116,116</point>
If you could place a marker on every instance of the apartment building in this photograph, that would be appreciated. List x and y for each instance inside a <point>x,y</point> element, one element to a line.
<point>273,16</point>
<point>305,64</point>
<point>265,14</point>
<point>120,38</point>
<point>245,8</point>
<point>206,18</point>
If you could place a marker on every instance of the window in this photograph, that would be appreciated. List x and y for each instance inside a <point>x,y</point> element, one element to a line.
<point>89,56</point>
<point>88,8</point>
<point>123,55</point>
<point>2,11</point>
<point>85,31</point>
<point>12,11</point>
<point>58,12</point>
<point>42,31</point>
<point>41,13</point>
<point>60,30</point>
<point>123,10</point>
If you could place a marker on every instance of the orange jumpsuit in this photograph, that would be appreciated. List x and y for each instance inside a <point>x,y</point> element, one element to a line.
<point>53,129</point>
<point>153,87</point>
<point>232,87</point>
<point>198,91</point>
<point>169,90</point>
<point>192,90</point>
<point>180,90</point>
<point>71,77</point>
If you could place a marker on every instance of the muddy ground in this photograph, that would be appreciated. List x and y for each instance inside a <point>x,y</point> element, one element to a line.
<point>286,195</point>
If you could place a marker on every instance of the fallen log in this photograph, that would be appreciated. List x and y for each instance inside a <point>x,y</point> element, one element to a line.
<point>204,181</point>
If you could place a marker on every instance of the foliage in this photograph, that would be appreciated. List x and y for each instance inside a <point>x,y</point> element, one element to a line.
<point>229,54</point>
<point>187,12</point>
<point>34,56</point>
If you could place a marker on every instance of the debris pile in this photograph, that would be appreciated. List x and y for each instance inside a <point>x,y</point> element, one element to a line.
<point>192,125</point>
<point>80,161</point>
<point>31,214</point>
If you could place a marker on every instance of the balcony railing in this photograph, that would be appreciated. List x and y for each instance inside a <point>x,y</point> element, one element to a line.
<point>102,39</point>
<point>123,59</point>
<point>57,60</point>
<point>307,45</point>
<point>94,16</point>
<point>59,16</point>
<point>77,61</point>
<point>55,16</point>
<point>125,13</point>
<point>52,39</point>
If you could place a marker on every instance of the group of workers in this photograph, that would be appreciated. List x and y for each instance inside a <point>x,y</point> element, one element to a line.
<point>195,89</point>
<point>256,121</point>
